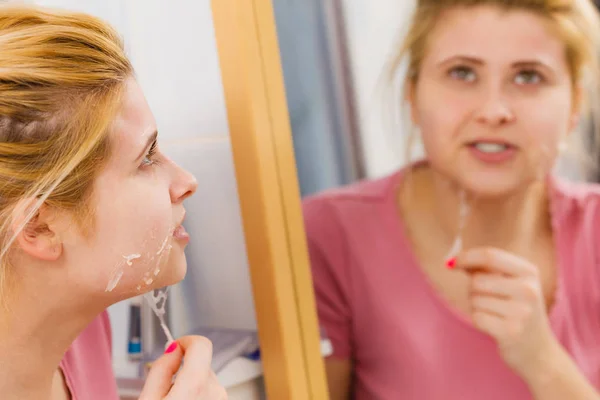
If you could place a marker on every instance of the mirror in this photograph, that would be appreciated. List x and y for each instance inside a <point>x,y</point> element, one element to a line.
<point>386,218</point>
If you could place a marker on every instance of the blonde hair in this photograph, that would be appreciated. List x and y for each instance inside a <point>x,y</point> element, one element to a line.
<point>62,76</point>
<point>575,21</point>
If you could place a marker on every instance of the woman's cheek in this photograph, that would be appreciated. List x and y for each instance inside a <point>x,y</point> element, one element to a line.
<point>139,263</point>
<point>156,259</point>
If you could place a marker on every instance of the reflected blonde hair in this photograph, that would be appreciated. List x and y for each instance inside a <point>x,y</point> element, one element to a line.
<point>62,77</point>
<point>576,22</point>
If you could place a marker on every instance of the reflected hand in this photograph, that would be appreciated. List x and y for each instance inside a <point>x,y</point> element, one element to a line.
<point>195,380</point>
<point>507,303</point>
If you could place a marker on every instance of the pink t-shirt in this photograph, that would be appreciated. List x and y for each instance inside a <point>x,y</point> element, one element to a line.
<point>379,309</point>
<point>87,365</point>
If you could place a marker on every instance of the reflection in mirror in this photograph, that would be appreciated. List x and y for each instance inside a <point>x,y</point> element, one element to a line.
<point>467,271</point>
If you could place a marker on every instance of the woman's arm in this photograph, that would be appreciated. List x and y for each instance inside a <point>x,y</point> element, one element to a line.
<point>333,291</point>
<point>508,304</point>
<point>559,379</point>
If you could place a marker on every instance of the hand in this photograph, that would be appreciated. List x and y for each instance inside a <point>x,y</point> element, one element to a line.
<point>195,380</point>
<point>507,303</point>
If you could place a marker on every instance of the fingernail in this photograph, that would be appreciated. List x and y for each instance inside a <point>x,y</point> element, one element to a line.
<point>451,263</point>
<point>171,348</point>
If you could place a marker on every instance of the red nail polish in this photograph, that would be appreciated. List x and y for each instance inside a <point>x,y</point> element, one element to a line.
<point>451,263</point>
<point>171,348</point>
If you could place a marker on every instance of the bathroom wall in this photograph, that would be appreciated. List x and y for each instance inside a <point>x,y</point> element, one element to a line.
<point>371,33</point>
<point>173,49</point>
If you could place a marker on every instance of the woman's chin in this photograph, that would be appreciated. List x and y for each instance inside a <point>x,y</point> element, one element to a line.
<point>173,274</point>
<point>168,275</point>
<point>487,188</point>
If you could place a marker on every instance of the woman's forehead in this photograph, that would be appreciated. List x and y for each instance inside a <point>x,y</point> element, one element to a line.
<point>492,34</point>
<point>134,122</point>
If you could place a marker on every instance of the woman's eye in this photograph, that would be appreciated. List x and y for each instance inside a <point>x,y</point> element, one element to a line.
<point>528,78</point>
<point>149,158</point>
<point>147,161</point>
<point>463,74</point>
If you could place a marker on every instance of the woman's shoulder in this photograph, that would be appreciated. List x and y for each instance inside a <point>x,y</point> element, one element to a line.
<point>575,209</point>
<point>576,202</point>
<point>351,216</point>
<point>362,195</point>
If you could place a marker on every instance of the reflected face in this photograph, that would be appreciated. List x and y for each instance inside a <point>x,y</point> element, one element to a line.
<point>494,99</point>
<point>138,243</point>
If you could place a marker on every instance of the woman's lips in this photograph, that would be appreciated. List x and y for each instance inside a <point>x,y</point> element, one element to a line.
<point>181,234</point>
<point>492,152</point>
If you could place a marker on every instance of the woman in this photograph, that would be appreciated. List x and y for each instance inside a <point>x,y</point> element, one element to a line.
<point>494,88</point>
<point>90,212</point>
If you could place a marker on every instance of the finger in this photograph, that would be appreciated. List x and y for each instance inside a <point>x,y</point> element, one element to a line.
<point>494,285</point>
<point>527,290</point>
<point>494,260</point>
<point>161,374</point>
<point>488,323</point>
<point>502,308</point>
<point>194,376</point>
<point>215,390</point>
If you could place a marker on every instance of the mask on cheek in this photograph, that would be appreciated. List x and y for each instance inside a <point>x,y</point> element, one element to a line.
<point>155,261</point>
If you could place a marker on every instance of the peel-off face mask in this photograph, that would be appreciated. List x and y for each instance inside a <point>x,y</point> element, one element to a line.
<point>115,277</point>
<point>119,270</point>
<point>542,163</point>
<point>463,213</point>
<point>154,259</point>
<point>129,258</point>
<point>157,299</point>
<point>155,267</point>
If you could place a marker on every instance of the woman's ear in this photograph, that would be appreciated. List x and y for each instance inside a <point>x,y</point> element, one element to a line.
<point>576,110</point>
<point>410,97</point>
<point>39,236</point>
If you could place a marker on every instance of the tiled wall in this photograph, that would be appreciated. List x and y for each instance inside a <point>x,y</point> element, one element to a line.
<point>172,46</point>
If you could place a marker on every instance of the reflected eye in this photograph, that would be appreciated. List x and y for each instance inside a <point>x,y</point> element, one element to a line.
<point>528,78</point>
<point>149,158</point>
<point>463,73</point>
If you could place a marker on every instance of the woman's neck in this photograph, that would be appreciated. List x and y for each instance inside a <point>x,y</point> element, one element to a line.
<point>509,222</point>
<point>35,333</point>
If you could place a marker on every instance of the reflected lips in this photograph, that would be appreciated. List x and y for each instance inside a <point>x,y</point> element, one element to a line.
<point>492,153</point>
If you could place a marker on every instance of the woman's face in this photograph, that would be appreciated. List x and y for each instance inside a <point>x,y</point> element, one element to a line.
<point>138,242</point>
<point>494,99</point>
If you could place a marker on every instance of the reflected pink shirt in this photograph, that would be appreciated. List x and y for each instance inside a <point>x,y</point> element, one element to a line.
<point>87,365</point>
<point>379,309</point>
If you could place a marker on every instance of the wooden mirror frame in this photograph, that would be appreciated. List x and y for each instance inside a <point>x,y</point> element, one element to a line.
<point>269,195</point>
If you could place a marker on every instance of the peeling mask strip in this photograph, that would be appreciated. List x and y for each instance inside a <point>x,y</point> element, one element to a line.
<point>118,272</point>
<point>157,300</point>
<point>463,212</point>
